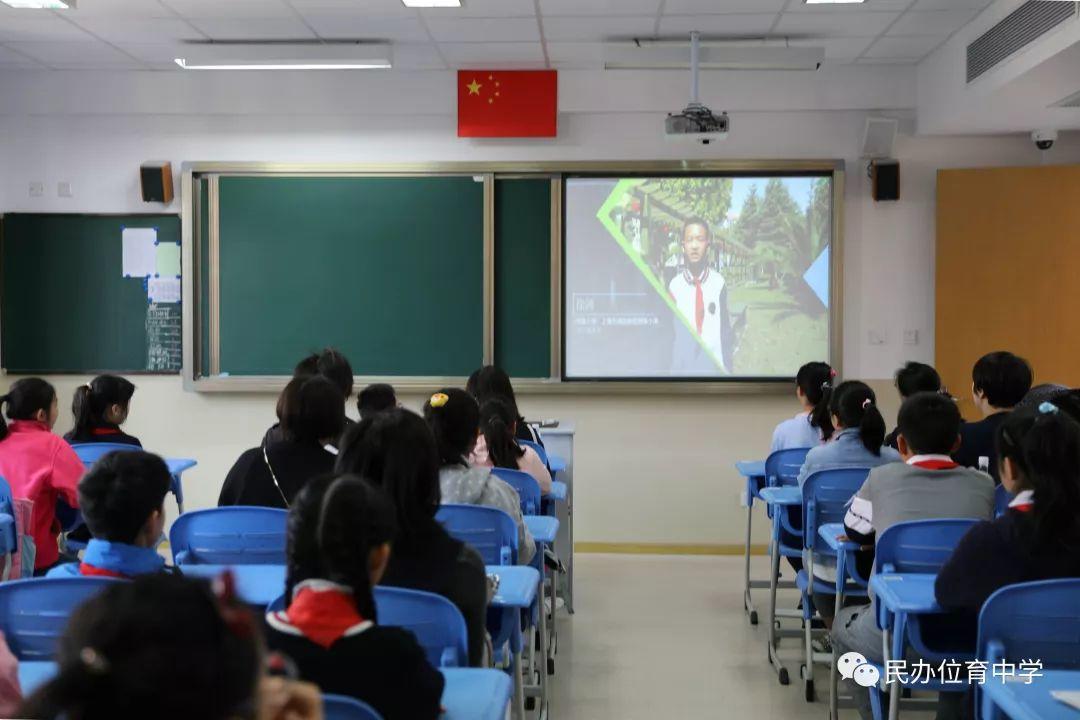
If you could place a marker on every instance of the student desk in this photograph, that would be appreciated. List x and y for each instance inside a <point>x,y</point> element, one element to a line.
<point>831,533</point>
<point>559,444</point>
<point>543,528</point>
<point>256,585</point>
<point>176,468</point>
<point>517,591</point>
<point>35,673</point>
<point>475,694</point>
<point>778,498</point>
<point>753,474</point>
<point>1021,701</point>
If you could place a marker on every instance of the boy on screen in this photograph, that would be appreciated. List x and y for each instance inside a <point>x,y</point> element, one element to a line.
<point>701,296</point>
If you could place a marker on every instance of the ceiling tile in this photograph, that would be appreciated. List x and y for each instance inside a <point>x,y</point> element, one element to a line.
<point>18,26</point>
<point>498,54</point>
<point>75,55</point>
<point>486,8</point>
<point>588,28</point>
<point>157,53</point>
<point>951,4</point>
<point>119,8</point>
<point>690,7</point>
<point>399,29</point>
<point>718,25</point>
<point>599,8</point>
<point>912,46</point>
<point>886,61</point>
<point>835,24</point>
<point>469,30</point>
<point>870,6</point>
<point>11,59</point>
<point>932,22</point>
<point>230,8</point>
<point>145,30</point>
<point>840,49</point>
<point>290,28</point>
<point>382,8</point>
<point>417,56</point>
<point>576,54</point>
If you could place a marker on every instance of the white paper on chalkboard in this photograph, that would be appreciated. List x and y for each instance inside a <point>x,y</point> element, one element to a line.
<point>139,251</point>
<point>163,290</point>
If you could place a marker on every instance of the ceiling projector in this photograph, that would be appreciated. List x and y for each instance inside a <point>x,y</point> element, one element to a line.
<point>697,123</point>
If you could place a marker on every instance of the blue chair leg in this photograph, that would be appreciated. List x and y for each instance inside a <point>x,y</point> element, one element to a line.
<point>875,703</point>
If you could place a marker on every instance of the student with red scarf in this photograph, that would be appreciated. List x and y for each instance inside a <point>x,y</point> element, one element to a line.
<point>100,407</point>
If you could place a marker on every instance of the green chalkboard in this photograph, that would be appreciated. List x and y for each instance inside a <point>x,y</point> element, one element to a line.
<point>66,305</point>
<point>387,269</point>
<point>523,276</point>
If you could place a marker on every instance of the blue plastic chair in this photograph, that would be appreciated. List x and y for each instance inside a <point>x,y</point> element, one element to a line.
<point>8,532</point>
<point>539,449</point>
<point>1002,498</point>
<point>826,495</point>
<point>34,612</point>
<point>490,530</point>
<point>341,707</point>
<point>782,467</point>
<point>1030,621</point>
<point>90,453</point>
<point>237,535</point>
<point>526,486</point>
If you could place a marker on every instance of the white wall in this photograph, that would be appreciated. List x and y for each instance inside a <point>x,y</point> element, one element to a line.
<point>649,469</point>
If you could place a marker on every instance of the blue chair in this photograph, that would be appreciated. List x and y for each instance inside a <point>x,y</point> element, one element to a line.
<point>90,453</point>
<point>1029,621</point>
<point>1002,498</point>
<point>826,495</point>
<point>236,535</point>
<point>782,467</point>
<point>34,612</point>
<point>526,486</point>
<point>490,530</point>
<point>8,534</point>
<point>340,707</point>
<point>539,450</point>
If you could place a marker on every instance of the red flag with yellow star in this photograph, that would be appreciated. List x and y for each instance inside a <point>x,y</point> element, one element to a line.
<point>507,103</point>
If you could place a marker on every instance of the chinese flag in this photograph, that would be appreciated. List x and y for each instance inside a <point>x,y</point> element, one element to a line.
<point>507,103</point>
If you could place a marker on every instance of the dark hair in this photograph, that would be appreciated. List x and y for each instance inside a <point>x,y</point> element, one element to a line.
<point>93,400</point>
<point>334,524</point>
<point>312,409</point>
<point>1046,449</point>
<point>307,367</point>
<point>1046,392</point>
<point>492,381</point>
<point>454,421</point>
<point>496,423</point>
<point>930,423</point>
<point>120,491</point>
<point>395,450</point>
<point>856,406</point>
<point>917,377</point>
<point>1003,377</point>
<point>815,379</point>
<point>24,398</point>
<point>375,398</point>
<point>696,220</point>
<point>157,646</point>
<point>332,365</point>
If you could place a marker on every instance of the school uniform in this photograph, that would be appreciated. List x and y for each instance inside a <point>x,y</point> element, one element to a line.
<point>276,433</point>
<point>343,653</point>
<point>796,432</point>
<point>272,476</point>
<point>462,484</point>
<point>104,433</point>
<point>40,467</point>
<point>703,303</point>
<point>103,558</point>
<point>979,439</point>
<point>529,462</point>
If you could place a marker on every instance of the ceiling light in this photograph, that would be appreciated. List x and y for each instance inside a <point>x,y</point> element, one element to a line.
<point>41,4</point>
<point>833,2</point>
<point>278,56</point>
<point>432,3</point>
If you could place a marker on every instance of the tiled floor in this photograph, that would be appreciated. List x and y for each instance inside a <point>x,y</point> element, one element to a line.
<point>665,637</point>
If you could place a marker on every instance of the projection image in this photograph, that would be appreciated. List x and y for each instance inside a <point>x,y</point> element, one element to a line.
<point>696,277</point>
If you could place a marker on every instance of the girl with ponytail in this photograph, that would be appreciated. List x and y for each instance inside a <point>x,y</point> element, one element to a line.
<point>100,407</point>
<point>1038,536</point>
<point>497,444</point>
<point>339,534</point>
<point>812,425</point>
<point>37,463</point>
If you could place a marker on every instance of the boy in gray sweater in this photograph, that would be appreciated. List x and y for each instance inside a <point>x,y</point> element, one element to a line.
<point>927,485</point>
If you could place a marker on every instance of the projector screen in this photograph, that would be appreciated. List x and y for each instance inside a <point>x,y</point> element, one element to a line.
<point>696,277</point>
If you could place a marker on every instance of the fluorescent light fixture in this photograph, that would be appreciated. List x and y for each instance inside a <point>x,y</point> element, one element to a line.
<point>676,56</point>
<point>431,3</point>
<point>833,2</point>
<point>41,4</point>
<point>281,56</point>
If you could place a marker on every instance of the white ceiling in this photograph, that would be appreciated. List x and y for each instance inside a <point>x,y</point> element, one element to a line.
<point>148,34</point>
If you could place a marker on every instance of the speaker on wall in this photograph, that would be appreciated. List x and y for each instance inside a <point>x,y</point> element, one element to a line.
<point>156,182</point>
<point>885,179</point>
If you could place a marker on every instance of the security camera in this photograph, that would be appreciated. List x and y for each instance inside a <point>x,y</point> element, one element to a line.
<point>1044,139</point>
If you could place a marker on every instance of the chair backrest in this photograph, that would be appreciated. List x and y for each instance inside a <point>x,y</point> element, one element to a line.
<point>826,495</point>
<point>490,530</point>
<point>538,449</point>
<point>7,507</point>
<point>34,612</point>
<point>919,546</point>
<point>341,707</point>
<point>782,467</point>
<point>1033,621</point>
<point>436,622</point>
<point>90,453</point>
<point>526,487</point>
<point>1002,498</point>
<point>236,535</point>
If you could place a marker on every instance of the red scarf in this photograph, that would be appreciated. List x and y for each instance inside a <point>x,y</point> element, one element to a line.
<point>90,570</point>
<point>699,297</point>
<point>323,613</point>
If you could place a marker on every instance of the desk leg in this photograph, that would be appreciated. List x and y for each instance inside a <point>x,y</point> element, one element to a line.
<point>570,537</point>
<point>518,709</point>
<point>774,576</point>
<point>543,654</point>
<point>834,705</point>
<point>748,604</point>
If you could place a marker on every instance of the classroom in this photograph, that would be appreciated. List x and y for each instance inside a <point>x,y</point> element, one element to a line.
<point>561,359</point>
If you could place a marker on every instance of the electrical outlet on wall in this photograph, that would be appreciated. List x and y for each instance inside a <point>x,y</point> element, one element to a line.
<point>63,189</point>
<point>911,337</point>
<point>37,189</point>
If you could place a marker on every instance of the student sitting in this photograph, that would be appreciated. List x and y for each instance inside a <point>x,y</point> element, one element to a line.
<point>272,475</point>
<point>912,378</point>
<point>1038,537</point>
<point>37,464</point>
<point>811,426</point>
<point>927,485</point>
<point>375,398</point>
<point>396,451</point>
<point>330,364</point>
<point>340,534</point>
<point>497,446</point>
<point>165,647</point>
<point>492,382</point>
<point>1046,392</point>
<point>857,443</point>
<point>455,422</point>
<point>100,407</point>
<point>122,499</point>
<point>999,381</point>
